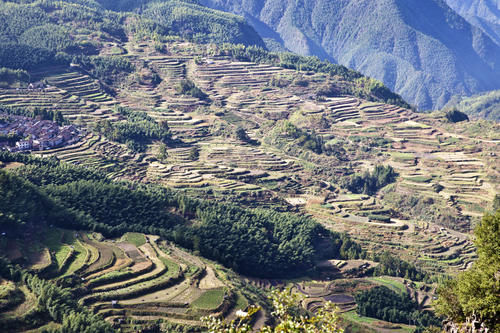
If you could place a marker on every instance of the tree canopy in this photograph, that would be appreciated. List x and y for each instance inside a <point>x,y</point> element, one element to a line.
<point>474,294</point>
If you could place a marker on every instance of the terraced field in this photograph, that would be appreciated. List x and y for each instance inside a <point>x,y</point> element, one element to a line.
<point>53,99</point>
<point>74,82</point>
<point>131,285</point>
<point>432,162</point>
<point>97,152</point>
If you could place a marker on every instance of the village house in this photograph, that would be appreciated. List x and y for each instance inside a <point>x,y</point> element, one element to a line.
<point>35,134</point>
<point>24,144</point>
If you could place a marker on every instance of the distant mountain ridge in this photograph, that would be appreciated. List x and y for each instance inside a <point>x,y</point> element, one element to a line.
<point>421,49</point>
<point>482,13</point>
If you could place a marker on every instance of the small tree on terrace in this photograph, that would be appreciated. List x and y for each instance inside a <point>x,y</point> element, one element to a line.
<point>284,305</point>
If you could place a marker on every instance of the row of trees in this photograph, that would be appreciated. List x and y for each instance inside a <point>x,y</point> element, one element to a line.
<point>392,266</point>
<point>108,69</point>
<point>9,76</point>
<point>39,113</point>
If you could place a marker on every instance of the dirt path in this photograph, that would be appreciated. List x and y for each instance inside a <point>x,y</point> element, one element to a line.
<point>210,281</point>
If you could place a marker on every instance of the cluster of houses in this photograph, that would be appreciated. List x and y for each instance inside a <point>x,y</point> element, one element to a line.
<point>33,134</point>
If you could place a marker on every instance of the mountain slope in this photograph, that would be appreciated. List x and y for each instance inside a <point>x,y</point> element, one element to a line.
<point>482,13</point>
<point>484,105</point>
<point>52,25</point>
<point>421,49</point>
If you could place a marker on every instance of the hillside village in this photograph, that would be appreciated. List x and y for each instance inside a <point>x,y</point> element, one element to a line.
<point>19,133</point>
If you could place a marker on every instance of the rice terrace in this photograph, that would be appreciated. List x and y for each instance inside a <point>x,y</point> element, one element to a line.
<point>203,176</point>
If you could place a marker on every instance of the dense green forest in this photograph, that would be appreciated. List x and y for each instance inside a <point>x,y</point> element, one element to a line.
<point>370,182</point>
<point>25,207</point>
<point>392,266</point>
<point>202,24</point>
<point>386,304</point>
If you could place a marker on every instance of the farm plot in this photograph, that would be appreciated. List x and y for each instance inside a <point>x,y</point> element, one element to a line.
<point>95,151</point>
<point>249,158</point>
<point>261,105</point>
<point>459,177</point>
<point>140,97</point>
<point>384,114</point>
<point>187,126</point>
<point>52,99</point>
<point>150,283</point>
<point>342,109</point>
<point>222,76</point>
<point>129,280</point>
<point>199,176</point>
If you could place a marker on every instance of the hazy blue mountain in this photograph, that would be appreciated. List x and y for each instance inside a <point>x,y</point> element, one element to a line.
<point>482,13</point>
<point>421,49</point>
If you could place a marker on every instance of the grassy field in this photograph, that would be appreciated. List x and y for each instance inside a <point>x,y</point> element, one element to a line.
<point>391,283</point>
<point>241,302</point>
<point>135,238</point>
<point>53,240</point>
<point>376,324</point>
<point>209,300</point>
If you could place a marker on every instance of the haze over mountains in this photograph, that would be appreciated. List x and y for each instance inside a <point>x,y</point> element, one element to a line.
<point>422,49</point>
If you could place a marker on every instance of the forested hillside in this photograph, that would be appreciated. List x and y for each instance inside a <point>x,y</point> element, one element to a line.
<point>485,105</point>
<point>35,31</point>
<point>253,242</point>
<point>420,49</point>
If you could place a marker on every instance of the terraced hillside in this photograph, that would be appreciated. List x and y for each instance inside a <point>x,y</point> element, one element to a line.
<point>301,140</point>
<point>258,135</point>
<point>97,152</point>
<point>76,95</point>
<point>191,152</point>
<point>135,282</point>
